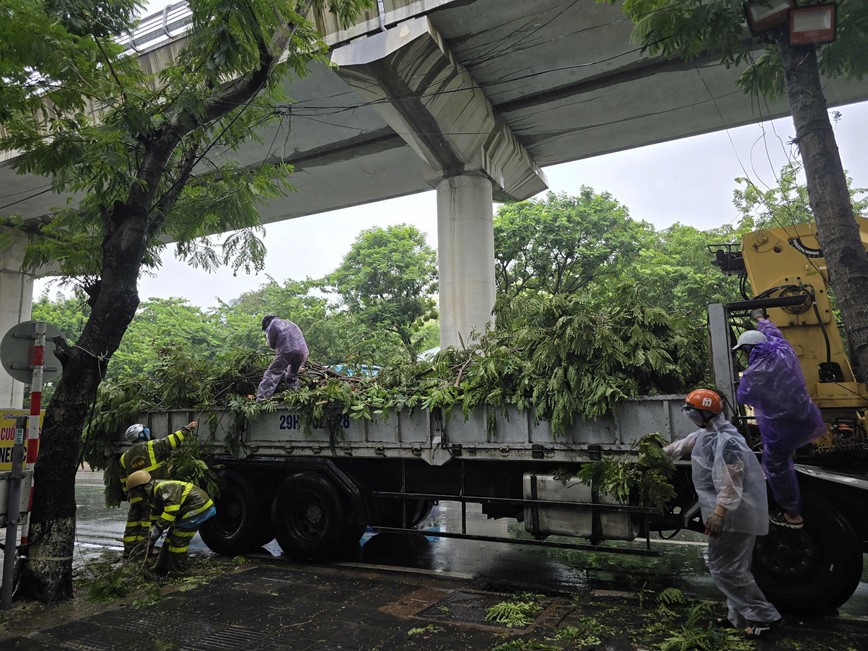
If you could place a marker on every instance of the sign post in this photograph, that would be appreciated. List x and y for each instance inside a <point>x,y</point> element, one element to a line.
<point>13,511</point>
<point>23,355</point>
<point>37,372</point>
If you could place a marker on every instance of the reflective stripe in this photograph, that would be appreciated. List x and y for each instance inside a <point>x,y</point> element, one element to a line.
<point>136,500</point>
<point>176,438</point>
<point>193,522</point>
<point>180,533</point>
<point>207,506</point>
<point>179,550</point>
<point>151,456</point>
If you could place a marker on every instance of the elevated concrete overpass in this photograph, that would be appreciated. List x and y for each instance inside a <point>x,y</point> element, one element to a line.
<point>470,97</point>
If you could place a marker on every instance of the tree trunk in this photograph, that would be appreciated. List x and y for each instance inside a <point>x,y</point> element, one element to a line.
<point>837,230</point>
<point>128,225</point>
<point>47,576</point>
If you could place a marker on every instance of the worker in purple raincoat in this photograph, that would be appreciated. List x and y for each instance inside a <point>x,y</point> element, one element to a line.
<point>773,384</point>
<point>290,353</point>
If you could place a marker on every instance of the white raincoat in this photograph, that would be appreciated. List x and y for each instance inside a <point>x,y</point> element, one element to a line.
<point>726,473</point>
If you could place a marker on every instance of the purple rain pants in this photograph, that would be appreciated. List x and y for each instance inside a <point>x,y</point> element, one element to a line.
<point>284,366</point>
<point>781,476</point>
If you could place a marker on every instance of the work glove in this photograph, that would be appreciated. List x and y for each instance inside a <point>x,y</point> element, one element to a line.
<point>156,532</point>
<point>714,525</point>
<point>757,314</point>
<point>192,425</point>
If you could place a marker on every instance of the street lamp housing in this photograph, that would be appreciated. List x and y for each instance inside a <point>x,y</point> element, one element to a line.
<point>813,25</point>
<point>763,15</point>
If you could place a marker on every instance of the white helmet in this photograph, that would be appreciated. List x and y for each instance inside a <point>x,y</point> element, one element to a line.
<point>750,338</point>
<point>137,432</point>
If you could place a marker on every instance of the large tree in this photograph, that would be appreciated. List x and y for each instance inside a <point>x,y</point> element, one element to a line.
<point>676,273</point>
<point>561,244</point>
<point>692,28</point>
<point>387,280</point>
<point>141,174</point>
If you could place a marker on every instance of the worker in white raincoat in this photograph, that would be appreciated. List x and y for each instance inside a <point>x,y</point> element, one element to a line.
<point>731,488</point>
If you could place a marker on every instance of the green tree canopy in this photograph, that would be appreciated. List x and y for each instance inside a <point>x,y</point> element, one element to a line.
<point>387,280</point>
<point>561,244</point>
<point>785,204</point>
<point>695,28</point>
<point>676,273</point>
<point>52,52</point>
<point>715,29</point>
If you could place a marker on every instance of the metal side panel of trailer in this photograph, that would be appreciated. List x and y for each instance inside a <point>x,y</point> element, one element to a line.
<point>418,434</point>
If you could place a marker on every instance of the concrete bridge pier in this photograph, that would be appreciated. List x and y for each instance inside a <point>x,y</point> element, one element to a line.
<point>16,299</point>
<point>410,78</point>
<point>465,256</point>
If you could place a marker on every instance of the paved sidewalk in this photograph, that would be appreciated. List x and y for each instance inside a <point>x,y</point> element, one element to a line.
<point>281,606</point>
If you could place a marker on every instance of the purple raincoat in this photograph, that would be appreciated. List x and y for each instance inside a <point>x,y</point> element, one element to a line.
<point>774,386</point>
<point>290,353</point>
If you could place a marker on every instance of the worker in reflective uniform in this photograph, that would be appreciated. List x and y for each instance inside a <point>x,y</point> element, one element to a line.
<point>150,455</point>
<point>179,508</point>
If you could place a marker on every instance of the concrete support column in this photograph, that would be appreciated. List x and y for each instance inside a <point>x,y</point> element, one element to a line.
<point>16,302</point>
<point>465,244</point>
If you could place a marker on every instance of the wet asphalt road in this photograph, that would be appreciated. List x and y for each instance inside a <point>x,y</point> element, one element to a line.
<point>681,565</point>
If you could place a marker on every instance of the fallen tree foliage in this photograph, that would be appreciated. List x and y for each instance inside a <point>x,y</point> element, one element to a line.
<point>566,357</point>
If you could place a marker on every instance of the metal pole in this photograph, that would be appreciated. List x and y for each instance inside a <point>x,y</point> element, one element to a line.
<point>13,510</point>
<point>37,361</point>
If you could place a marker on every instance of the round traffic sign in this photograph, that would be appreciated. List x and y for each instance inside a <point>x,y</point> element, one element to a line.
<point>16,351</point>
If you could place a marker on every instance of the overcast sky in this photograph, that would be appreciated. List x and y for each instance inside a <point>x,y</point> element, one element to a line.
<point>688,181</point>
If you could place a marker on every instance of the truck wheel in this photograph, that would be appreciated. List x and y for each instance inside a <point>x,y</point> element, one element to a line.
<point>814,569</point>
<point>309,517</point>
<point>239,526</point>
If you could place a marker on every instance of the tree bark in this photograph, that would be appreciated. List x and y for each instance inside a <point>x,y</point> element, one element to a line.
<point>837,230</point>
<point>47,576</point>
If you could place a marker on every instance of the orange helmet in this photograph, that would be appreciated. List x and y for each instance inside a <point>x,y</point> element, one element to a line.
<point>704,400</point>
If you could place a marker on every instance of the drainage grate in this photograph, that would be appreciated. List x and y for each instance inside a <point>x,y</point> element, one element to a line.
<point>88,643</point>
<point>463,607</point>
<point>232,637</point>
<point>141,625</point>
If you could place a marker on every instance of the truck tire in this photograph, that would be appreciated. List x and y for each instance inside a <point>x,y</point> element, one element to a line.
<point>310,521</point>
<point>814,569</point>
<point>241,524</point>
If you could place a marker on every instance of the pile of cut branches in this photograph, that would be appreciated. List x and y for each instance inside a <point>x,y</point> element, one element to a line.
<point>565,357</point>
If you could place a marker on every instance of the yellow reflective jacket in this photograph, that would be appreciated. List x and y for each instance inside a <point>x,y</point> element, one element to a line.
<point>150,455</point>
<point>175,501</point>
